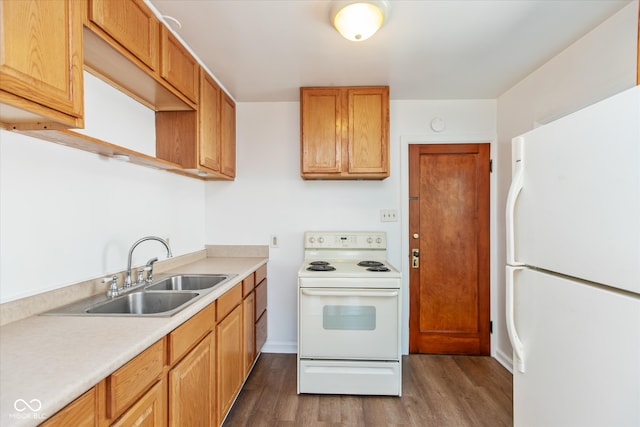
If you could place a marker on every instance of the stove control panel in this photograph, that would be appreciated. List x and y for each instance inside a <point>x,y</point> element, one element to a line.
<point>345,240</point>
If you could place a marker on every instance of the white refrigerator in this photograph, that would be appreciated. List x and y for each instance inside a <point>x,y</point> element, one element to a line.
<point>573,268</point>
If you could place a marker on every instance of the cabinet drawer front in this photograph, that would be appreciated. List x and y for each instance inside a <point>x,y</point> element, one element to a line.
<point>261,273</point>
<point>189,333</point>
<point>132,24</point>
<point>79,413</point>
<point>126,384</point>
<point>261,332</point>
<point>227,302</point>
<point>248,284</point>
<point>261,298</point>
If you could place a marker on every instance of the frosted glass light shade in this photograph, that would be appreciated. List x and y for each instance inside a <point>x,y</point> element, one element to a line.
<point>358,21</point>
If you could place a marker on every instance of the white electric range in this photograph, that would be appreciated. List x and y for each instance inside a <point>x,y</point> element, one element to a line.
<point>348,315</point>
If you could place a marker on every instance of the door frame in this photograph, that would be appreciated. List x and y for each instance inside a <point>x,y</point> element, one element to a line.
<point>496,313</point>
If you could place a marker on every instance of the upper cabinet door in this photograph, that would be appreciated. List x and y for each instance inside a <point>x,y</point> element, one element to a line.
<point>321,130</point>
<point>178,66</point>
<point>132,24</point>
<point>41,60</point>
<point>209,122</point>
<point>227,135</point>
<point>368,130</point>
<point>344,132</point>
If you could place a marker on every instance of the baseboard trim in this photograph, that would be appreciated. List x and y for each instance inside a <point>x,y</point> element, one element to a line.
<point>504,359</point>
<point>280,347</point>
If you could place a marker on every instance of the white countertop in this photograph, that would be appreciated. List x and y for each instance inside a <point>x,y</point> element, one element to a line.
<point>48,361</point>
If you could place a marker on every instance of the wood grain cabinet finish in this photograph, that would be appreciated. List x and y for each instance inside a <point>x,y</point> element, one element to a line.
<point>202,140</point>
<point>227,136</point>
<point>229,360</point>
<point>217,129</point>
<point>178,66</point>
<point>132,380</point>
<point>261,314</point>
<point>344,132</point>
<point>41,64</point>
<point>209,147</point>
<point>148,411</point>
<point>132,24</point>
<point>79,413</point>
<point>249,331</point>
<point>191,387</point>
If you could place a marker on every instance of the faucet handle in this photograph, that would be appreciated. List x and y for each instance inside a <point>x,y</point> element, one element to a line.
<point>113,291</point>
<point>149,269</point>
<point>140,276</point>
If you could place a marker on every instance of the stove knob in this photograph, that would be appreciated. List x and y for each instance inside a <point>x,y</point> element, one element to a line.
<point>369,240</point>
<point>379,240</point>
<point>320,240</point>
<point>312,239</point>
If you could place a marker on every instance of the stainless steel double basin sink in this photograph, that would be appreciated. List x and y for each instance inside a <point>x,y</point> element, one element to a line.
<point>164,297</point>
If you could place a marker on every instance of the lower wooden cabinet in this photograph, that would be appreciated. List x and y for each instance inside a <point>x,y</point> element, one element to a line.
<point>191,387</point>
<point>261,313</point>
<point>128,383</point>
<point>229,363</point>
<point>80,413</point>
<point>249,330</point>
<point>190,377</point>
<point>148,411</point>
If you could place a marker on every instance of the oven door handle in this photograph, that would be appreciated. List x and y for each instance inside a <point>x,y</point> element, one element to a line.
<point>349,293</point>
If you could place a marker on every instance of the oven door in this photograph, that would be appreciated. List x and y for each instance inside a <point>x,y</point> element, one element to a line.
<point>349,323</point>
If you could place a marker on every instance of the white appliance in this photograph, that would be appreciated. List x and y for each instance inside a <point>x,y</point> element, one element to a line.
<point>348,316</point>
<point>573,268</point>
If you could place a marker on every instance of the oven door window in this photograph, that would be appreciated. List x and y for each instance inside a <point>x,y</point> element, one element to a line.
<point>349,324</point>
<point>349,317</point>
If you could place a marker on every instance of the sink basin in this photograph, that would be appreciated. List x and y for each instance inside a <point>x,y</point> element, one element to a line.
<point>163,298</point>
<point>188,282</point>
<point>144,303</point>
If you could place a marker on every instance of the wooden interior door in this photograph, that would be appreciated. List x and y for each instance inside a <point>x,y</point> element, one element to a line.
<point>449,229</point>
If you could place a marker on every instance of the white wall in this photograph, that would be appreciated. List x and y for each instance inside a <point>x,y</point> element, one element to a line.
<point>68,215</point>
<point>269,197</point>
<point>600,64</point>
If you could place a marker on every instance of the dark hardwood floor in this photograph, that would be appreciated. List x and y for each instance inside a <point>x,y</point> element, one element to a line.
<point>437,391</point>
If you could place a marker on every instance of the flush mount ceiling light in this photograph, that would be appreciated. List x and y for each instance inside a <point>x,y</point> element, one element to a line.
<point>357,21</point>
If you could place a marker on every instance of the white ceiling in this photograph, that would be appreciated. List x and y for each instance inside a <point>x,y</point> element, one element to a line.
<point>264,50</point>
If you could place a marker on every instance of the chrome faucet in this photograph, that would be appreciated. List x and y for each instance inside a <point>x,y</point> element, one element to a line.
<point>127,280</point>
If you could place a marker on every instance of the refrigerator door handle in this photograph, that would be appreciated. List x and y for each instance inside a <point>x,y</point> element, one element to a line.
<point>518,348</point>
<point>514,191</point>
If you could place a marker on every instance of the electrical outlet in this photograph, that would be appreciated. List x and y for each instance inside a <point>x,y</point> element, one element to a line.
<point>388,215</point>
<point>274,241</point>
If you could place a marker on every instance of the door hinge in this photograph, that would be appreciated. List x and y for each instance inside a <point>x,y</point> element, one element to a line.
<point>490,165</point>
<point>491,326</point>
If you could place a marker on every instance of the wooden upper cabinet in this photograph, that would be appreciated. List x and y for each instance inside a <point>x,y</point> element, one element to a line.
<point>344,132</point>
<point>132,24</point>
<point>321,130</point>
<point>178,66</point>
<point>209,123</point>
<point>227,136</point>
<point>202,142</point>
<point>41,64</point>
